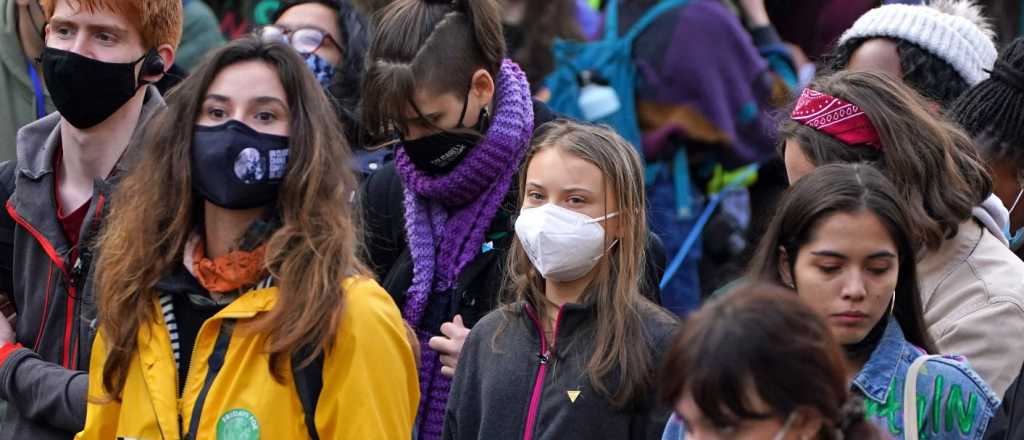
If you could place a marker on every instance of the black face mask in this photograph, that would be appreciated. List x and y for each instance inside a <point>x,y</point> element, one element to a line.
<point>441,152</point>
<point>87,91</point>
<point>236,167</point>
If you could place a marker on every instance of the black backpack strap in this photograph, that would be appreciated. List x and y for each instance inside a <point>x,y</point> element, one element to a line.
<point>7,226</point>
<point>309,381</point>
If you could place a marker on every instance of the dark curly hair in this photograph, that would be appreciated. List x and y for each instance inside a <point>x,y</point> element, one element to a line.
<point>929,75</point>
<point>993,111</point>
<point>355,40</point>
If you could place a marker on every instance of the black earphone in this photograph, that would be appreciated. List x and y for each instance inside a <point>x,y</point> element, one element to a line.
<point>152,65</point>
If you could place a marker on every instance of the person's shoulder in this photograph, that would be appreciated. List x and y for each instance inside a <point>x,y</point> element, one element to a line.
<point>495,319</point>
<point>659,324</point>
<point>365,298</point>
<point>542,114</point>
<point>955,373</point>
<point>381,182</point>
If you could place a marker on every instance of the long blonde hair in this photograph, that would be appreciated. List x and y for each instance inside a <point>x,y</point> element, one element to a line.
<point>155,210</point>
<point>615,291</point>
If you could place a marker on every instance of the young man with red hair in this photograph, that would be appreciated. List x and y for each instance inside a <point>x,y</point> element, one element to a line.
<point>100,59</point>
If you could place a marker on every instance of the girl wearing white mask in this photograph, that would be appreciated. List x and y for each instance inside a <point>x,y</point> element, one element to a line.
<point>573,355</point>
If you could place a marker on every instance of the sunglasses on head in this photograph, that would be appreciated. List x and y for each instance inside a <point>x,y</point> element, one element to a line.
<point>305,40</point>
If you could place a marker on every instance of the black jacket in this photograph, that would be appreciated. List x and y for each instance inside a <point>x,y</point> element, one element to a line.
<point>1008,423</point>
<point>509,379</point>
<point>479,285</point>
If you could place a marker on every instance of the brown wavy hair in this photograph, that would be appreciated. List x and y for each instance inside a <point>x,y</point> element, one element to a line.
<point>933,163</point>
<point>837,189</point>
<point>620,356</point>
<point>155,210</point>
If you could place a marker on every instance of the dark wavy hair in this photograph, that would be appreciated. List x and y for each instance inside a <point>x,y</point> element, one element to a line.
<point>928,74</point>
<point>355,41</point>
<point>845,188</point>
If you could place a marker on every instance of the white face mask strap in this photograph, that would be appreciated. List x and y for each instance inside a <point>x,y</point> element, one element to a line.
<point>606,217</point>
<point>1017,200</point>
<point>781,435</point>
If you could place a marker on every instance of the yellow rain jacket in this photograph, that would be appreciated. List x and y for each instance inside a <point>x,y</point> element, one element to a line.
<point>370,385</point>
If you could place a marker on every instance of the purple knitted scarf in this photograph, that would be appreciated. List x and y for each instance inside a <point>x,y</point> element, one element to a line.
<point>447,216</point>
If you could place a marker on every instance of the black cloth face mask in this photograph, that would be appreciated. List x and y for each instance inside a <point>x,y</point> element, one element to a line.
<point>87,91</point>
<point>236,167</point>
<point>441,152</point>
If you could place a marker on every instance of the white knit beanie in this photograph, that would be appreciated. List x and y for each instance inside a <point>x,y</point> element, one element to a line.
<point>960,37</point>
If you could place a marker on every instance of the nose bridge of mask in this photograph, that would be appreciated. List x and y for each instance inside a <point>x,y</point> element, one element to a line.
<point>569,216</point>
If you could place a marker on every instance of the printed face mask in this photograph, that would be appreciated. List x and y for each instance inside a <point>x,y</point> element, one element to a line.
<point>236,167</point>
<point>87,91</point>
<point>441,152</point>
<point>562,244</point>
<point>321,68</point>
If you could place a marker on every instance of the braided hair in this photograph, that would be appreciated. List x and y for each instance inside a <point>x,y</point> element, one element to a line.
<point>929,75</point>
<point>993,111</point>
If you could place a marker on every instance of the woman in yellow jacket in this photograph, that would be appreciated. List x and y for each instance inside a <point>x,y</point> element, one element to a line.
<point>231,303</point>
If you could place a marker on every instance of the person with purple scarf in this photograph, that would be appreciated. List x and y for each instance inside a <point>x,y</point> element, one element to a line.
<point>438,220</point>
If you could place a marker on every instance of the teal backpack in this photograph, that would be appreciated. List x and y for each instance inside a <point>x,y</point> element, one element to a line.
<point>596,81</point>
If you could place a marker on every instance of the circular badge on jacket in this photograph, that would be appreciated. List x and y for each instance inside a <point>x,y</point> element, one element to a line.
<point>238,424</point>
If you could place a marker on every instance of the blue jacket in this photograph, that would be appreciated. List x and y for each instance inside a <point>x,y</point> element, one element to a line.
<point>953,401</point>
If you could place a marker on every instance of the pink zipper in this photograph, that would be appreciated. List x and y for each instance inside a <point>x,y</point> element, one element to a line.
<point>538,383</point>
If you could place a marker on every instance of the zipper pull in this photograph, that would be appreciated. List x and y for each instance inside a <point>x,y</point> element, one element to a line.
<point>543,358</point>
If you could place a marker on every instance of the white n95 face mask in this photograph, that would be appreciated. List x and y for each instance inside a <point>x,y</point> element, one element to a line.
<point>562,244</point>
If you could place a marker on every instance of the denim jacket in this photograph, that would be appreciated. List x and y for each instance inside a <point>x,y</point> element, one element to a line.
<point>953,401</point>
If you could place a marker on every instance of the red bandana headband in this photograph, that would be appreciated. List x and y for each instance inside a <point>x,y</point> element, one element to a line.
<point>836,118</point>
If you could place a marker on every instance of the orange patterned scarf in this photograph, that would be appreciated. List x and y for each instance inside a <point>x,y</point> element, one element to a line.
<point>230,272</point>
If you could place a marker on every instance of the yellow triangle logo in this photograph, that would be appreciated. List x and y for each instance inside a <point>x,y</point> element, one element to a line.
<point>573,395</point>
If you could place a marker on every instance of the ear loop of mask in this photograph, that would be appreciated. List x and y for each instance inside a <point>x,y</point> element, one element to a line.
<point>781,435</point>
<point>615,241</point>
<point>1020,182</point>
<point>481,118</point>
<point>1016,237</point>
